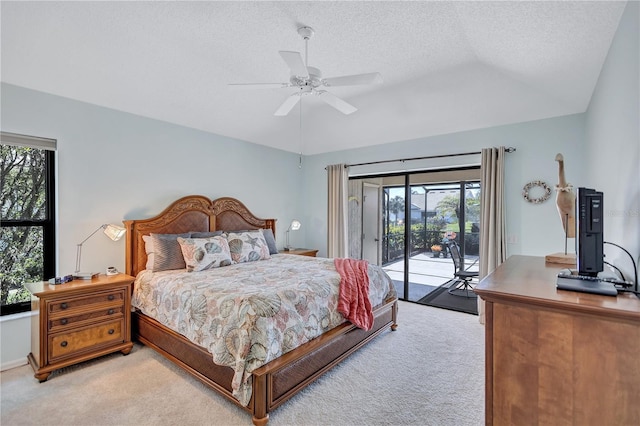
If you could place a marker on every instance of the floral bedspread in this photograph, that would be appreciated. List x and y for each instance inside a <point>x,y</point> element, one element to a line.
<point>248,314</point>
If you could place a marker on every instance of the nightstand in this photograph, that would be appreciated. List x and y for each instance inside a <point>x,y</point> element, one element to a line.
<point>301,252</point>
<point>78,321</point>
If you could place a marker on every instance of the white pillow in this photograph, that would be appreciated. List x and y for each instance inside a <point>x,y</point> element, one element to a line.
<point>148,248</point>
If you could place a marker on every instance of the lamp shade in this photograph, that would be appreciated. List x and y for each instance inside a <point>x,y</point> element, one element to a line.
<point>295,225</point>
<point>114,232</point>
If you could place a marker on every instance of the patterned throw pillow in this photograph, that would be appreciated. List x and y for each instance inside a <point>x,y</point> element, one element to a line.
<point>205,253</point>
<point>248,246</point>
<point>164,253</point>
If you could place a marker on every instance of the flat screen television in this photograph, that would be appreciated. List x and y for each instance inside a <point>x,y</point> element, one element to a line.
<point>589,232</point>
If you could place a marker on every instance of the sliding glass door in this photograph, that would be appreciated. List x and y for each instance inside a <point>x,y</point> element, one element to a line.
<point>429,265</point>
<point>420,213</point>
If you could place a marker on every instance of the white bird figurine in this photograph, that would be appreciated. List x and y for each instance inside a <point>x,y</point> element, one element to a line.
<point>565,200</point>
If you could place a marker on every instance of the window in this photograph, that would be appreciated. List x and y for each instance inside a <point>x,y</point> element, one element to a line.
<point>27,232</point>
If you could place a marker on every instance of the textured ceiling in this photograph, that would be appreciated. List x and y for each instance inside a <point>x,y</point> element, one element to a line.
<point>446,66</point>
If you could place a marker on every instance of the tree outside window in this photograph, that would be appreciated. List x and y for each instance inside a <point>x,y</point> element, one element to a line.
<point>27,228</point>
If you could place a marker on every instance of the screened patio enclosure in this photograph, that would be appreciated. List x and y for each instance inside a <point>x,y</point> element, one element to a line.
<point>403,223</point>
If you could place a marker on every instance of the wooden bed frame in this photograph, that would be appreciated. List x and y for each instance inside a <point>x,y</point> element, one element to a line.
<point>280,379</point>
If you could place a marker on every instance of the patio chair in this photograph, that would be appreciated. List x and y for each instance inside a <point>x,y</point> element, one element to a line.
<point>462,287</point>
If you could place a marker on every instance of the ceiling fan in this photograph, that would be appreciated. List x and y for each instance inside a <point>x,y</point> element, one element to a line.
<point>308,80</point>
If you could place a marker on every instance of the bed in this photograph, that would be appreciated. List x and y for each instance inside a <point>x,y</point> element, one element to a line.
<point>277,380</point>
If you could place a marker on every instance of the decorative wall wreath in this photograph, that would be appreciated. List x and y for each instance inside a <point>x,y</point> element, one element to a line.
<point>533,184</point>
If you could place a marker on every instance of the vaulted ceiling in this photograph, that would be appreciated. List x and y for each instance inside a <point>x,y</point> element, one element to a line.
<point>446,66</point>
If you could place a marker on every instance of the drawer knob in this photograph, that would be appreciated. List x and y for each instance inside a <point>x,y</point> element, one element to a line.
<point>64,321</point>
<point>63,306</point>
<point>64,343</point>
<point>111,311</point>
<point>112,331</point>
<point>111,297</point>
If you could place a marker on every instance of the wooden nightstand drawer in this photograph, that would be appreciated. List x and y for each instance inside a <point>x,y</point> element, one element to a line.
<point>87,301</point>
<point>79,320</point>
<point>70,344</point>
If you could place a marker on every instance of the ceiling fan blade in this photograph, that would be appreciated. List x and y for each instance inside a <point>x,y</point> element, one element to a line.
<point>249,86</point>
<point>288,105</point>
<point>336,102</point>
<point>295,63</point>
<point>353,80</point>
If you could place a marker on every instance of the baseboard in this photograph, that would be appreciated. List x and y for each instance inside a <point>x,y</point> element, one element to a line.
<point>13,364</point>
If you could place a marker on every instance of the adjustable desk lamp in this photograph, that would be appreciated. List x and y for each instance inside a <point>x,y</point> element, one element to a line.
<point>295,225</point>
<point>114,232</point>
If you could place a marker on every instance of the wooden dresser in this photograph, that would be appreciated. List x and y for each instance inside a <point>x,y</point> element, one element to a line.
<point>78,321</point>
<point>557,357</point>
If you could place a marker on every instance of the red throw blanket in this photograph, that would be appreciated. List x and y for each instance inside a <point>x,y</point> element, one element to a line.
<point>353,299</point>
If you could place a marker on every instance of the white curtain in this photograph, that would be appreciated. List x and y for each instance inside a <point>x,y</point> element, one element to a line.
<point>493,247</point>
<point>337,240</point>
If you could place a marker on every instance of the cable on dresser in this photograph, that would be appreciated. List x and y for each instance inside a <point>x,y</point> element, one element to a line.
<point>616,268</point>
<point>635,268</point>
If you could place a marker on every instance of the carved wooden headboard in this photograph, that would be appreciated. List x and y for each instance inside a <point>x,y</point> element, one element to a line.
<point>193,213</point>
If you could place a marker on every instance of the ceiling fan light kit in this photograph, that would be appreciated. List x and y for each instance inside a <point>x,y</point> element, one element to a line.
<point>308,80</point>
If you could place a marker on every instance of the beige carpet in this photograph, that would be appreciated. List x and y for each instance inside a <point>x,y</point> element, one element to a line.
<point>428,372</point>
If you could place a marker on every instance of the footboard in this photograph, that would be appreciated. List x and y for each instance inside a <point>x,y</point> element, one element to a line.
<point>280,379</point>
<point>285,376</point>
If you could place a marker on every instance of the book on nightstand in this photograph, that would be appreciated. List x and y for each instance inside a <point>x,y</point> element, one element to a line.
<point>85,275</point>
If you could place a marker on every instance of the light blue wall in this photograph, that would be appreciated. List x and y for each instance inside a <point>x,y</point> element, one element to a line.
<point>613,140</point>
<point>113,166</point>
<point>535,229</point>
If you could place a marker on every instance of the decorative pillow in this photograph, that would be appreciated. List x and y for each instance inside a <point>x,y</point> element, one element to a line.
<point>248,246</point>
<point>148,248</point>
<point>166,252</point>
<point>271,241</point>
<point>205,253</point>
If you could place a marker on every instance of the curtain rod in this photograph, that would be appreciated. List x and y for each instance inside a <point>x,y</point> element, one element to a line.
<point>510,149</point>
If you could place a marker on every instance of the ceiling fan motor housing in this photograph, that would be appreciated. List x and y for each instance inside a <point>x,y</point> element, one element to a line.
<point>314,80</point>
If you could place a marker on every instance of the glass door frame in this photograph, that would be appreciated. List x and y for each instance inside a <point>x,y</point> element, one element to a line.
<point>407,213</point>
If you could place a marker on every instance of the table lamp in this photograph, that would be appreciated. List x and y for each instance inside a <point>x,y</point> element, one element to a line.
<point>114,232</point>
<point>295,225</point>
